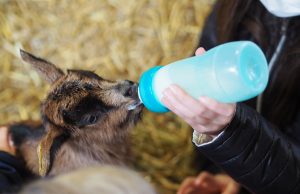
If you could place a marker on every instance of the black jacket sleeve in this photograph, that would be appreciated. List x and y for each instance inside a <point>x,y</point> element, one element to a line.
<point>12,173</point>
<point>257,154</point>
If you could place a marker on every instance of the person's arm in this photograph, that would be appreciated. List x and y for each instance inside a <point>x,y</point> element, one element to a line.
<point>10,177</point>
<point>257,154</point>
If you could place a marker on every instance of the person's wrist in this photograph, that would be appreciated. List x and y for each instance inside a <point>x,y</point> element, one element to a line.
<point>201,138</point>
<point>208,132</point>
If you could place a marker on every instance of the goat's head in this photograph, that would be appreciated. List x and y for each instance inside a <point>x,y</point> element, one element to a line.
<point>81,101</point>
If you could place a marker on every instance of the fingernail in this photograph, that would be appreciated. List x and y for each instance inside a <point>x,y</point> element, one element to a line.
<point>167,92</point>
<point>174,89</point>
<point>171,90</point>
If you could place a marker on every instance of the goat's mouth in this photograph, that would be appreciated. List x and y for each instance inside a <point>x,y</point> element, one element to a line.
<point>137,113</point>
<point>135,105</point>
<point>135,109</point>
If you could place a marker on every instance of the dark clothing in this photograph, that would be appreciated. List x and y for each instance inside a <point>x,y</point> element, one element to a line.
<point>12,173</point>
<point>256,154</point>
<point>259,155</point>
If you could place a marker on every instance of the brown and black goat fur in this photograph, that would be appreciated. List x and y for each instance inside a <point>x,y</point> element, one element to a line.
<point>85,121</point>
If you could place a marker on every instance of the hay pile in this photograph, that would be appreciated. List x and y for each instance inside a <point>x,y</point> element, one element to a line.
<point>116,39</point>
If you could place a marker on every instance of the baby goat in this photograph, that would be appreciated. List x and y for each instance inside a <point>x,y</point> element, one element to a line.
<point>86,120</point>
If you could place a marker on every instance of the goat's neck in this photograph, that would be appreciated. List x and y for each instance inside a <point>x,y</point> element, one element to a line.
<point>101,137</point>
<point>94,145</point>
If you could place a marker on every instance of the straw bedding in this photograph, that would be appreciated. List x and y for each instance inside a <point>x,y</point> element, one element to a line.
<point>116,39</point>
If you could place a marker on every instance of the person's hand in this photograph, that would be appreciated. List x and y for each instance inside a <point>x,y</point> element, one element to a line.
<point>205,115</point>
<point>206,183</point>
<point>6,144</point>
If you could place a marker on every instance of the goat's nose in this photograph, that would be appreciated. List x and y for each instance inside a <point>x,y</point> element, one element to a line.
<point>131,89</point>
<point>129,82</point>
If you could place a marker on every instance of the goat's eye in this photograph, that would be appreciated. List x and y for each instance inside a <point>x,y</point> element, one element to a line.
<point>88,120</point>
<point>92,119</point>
<point>88,86</point>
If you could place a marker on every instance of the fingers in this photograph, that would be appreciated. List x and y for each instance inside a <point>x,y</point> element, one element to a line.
<point>202,186</point>
<point>173,98</point>
<point>232,188</point>
<point>229,185</point>
<point>208,182</point>
<point>175,102</point>
<point>221,113</point>
<point>204,115</point>
<point>185,105</point>
<point>187,186</point>
<point>220,108</point>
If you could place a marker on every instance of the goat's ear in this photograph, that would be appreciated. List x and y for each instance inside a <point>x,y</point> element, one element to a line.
<point>46,69</point>
<point>44,149</point>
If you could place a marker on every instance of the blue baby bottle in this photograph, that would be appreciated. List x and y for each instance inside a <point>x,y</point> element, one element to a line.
<point>231,72</point>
